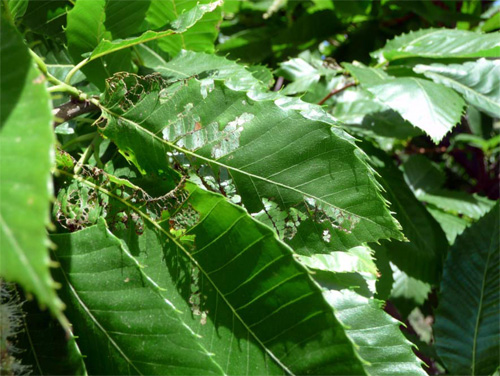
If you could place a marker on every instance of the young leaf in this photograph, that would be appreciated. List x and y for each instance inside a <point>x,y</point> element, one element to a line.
<point>478,82</point>
<point>467,331</point>
<point>264,146</point>
<point>26,157</point>
<point>440,44</point>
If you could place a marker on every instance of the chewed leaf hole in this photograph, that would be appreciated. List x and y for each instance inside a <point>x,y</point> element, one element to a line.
<point>336,217</point>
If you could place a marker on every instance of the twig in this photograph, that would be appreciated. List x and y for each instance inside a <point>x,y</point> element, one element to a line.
<point>170,194</point>
<point>279,83</point>
<point>412,149</point>
<point>335,92</point>
<point>72,109</point>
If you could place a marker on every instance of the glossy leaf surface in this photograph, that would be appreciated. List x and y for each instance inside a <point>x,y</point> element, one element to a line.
<point>373,332</point>
<point>207,310</point>
<point>433,108</point>
<point>467,330</point>
<point>478,82</point>
<point>221,130</point>
<point>441,43</point>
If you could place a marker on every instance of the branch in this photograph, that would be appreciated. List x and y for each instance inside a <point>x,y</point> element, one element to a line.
<point>335,92</point>
<point>279,83</point>
<point>72,109</point>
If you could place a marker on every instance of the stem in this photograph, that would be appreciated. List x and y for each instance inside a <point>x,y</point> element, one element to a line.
<point>40,63</point>
<point>72,109</point>
<point>85,156</point>
<point>85,137</point>
<point>279,83</point>
<point>57,88</point>
<point>59,85</point>
<point>75,69</point>
<point>335,92</point>
<point>7,13</point>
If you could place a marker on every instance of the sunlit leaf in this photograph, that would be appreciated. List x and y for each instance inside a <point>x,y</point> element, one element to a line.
<point>478,82</point>
<point>26,157</point>
<point>440,43</point>
<point>217,132</point>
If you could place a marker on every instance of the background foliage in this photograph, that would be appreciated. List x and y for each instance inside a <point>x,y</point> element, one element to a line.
<point>250,187</point>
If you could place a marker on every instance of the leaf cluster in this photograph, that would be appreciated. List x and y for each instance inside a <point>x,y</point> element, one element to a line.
<point>249,187</point>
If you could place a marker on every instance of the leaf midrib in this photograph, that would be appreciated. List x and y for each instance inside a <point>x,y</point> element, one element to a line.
<point>188,254</point>
<point>193,154</point>
<point>465,88</point>
<point>483,284</point>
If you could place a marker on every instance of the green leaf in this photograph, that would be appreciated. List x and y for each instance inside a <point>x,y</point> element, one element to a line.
<point>189,63</point>
<point>422,175</point>
<point>26,157</point>
<point>431,107</point>
<point>217,133</point>
<point>366,75</point>
<point>423,255</point>
<point>439,44</point>
<point>354,269</point>
<point>180,25</point>
<point>478,82</point>
<point>117,303</point>
<point>84,33</point>
<point>305,71</point>
<point>408,287</point>
<point>426,180</point>
<point>468,334</point>
<point>263,74</point>
<point>195,322</point>
<point>47,17</point>
<point>17,8</point>
<point>471,205</point>
<point>362,113</point>
<point>98,43</point>
<point>491,24</point>
<point>125,19</point>
<point>15,64</point>
<point>301,73</point>
<point>375,335</point>
<point>49,348</point>
<point>201,36</point>
<point>451,224</point>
